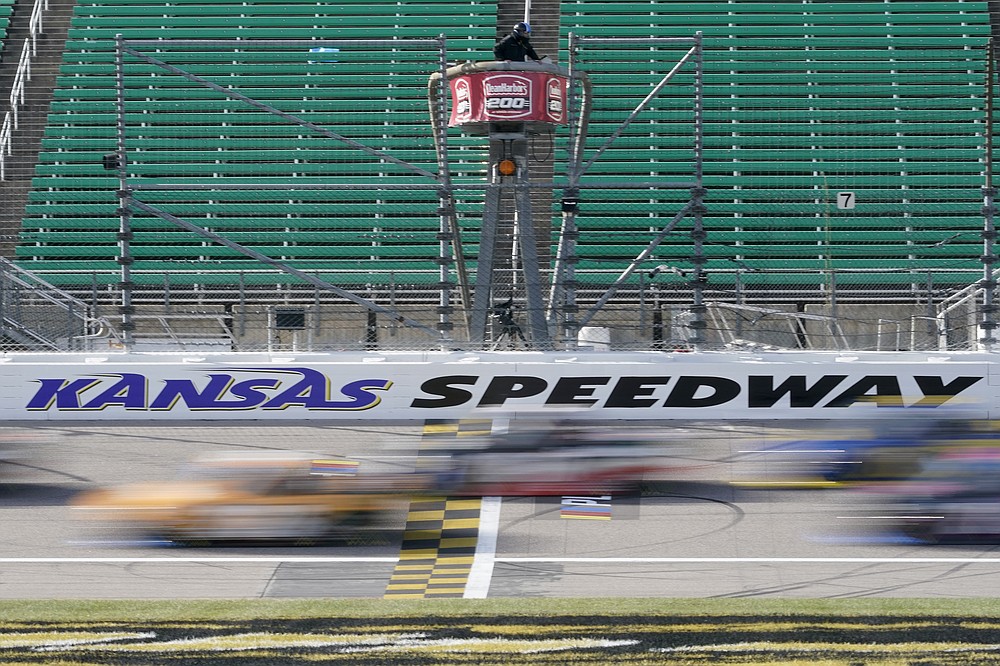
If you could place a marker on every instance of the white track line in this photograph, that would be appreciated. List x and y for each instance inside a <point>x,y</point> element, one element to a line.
<point>478,584</point>
<point>566,560</point>
<point>741,560</point>
<point>162,560</point>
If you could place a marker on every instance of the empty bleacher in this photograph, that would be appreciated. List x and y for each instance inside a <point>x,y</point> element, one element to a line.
<point>178,131</point>
<point>6,12</point>
<point>802,101</point>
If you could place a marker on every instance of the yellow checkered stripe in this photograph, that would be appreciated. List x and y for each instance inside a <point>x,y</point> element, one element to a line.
<point>438,547</point>
<point>439,541</point>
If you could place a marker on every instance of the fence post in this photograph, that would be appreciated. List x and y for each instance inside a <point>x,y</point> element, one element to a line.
<point>3,296</point>
<point>124,201</point>
<point>988,324</point>
<point>698,235</point>
<point>449,241</point>
<point>833,308</point>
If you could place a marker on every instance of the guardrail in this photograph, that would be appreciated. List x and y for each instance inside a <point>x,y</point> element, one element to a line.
<point>38,314</point>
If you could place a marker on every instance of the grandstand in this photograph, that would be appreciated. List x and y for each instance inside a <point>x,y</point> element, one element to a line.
<point>844,152</point>
<point>71,220</point>
<point>804,101</point>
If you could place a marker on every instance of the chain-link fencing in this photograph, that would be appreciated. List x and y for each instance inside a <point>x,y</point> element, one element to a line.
<point>303,195</point>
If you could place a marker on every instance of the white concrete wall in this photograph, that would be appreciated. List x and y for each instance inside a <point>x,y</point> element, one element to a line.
<point>412,386</point>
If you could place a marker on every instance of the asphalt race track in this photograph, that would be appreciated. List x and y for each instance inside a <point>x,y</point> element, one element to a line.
<point>692,533</point>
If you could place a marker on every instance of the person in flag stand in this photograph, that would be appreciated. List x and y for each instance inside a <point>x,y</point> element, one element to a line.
<point>516,47</point>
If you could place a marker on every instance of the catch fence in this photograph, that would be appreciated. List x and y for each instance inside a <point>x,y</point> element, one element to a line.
<point>294,194</point>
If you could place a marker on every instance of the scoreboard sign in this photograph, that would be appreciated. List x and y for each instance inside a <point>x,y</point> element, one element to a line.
<point>535,97</point>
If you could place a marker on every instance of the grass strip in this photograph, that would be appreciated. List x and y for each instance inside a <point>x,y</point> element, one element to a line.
<point>241,609</point>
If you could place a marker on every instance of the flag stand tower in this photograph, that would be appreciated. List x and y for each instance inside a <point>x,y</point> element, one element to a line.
<point>508,102</point>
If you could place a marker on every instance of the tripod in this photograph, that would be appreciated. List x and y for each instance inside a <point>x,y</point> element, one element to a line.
<point>504,314</point>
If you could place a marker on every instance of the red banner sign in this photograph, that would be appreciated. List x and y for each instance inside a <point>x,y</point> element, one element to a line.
<point>508,97</point>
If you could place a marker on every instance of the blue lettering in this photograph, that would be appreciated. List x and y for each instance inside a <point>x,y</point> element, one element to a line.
<point>359,390</point>
<point>65,393</point>
<point>210,397</point>
<point>129,392</point>
<point>309,388</point>
<point>313,392</point>
<point>249,395</point>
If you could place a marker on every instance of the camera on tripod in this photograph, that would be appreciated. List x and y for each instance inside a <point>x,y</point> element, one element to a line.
<point>503,313</point>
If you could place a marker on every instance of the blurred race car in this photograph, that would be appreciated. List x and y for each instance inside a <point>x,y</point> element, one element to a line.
<point>291,498</point>
<point>886,450</point>
<point>559,460</point>
<point>954,497</point>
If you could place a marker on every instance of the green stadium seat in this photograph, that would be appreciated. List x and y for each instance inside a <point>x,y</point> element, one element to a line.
<point>801,101</point>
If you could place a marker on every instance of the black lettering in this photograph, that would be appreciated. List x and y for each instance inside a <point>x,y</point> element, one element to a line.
<point>937,392</point>
<point>442,386</point>
<point>628,390</point>
<point>887,393</point>
<point>761,391</point>
<point>685,389</point>
<point>505,386</point>
<point>572,390</point>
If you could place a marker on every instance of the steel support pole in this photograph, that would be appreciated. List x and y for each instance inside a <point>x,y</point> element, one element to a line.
<point>3,296</point>
<point>483,291</point>
<point>562,294</point>
<point>698,235</point>
<point>446,206</point>
<point>124,258</point>
<point>525,229</point>
<point>987,324</point>
<point>562,306</point>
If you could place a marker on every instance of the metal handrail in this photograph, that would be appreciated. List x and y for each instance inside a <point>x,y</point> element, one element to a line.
<point>6,140</point>
<point>11,271</point>
<point>36,23</point>
<point>22,75</point>
<point>29,49</point>
<point>97,326</point>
